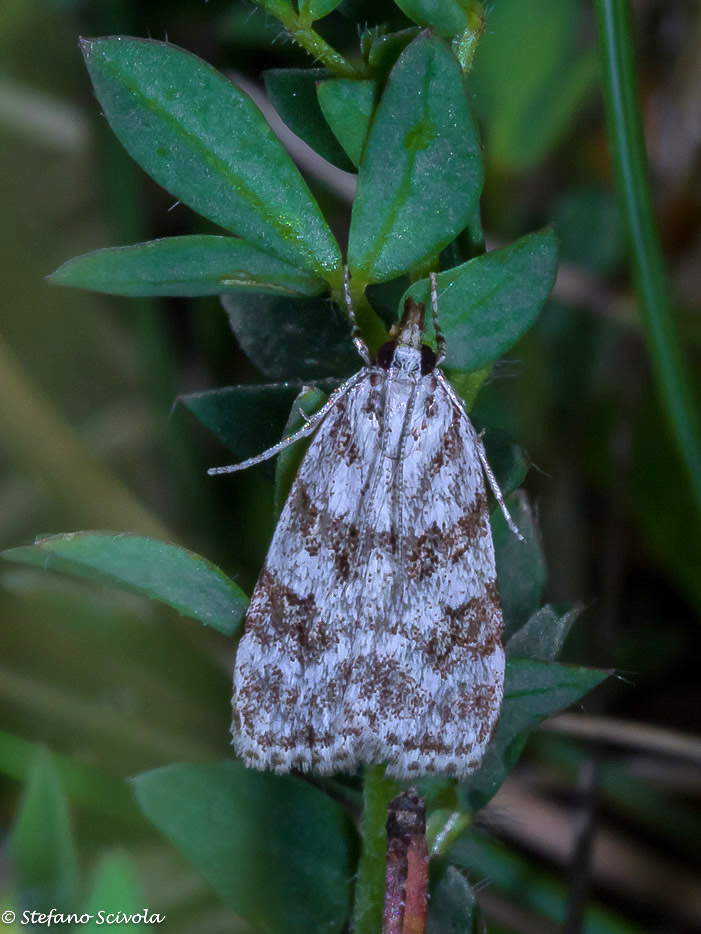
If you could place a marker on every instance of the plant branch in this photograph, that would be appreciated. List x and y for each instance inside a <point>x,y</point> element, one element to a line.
<point>370,887</point>
<point>299,28</point>
<point>627,145</point>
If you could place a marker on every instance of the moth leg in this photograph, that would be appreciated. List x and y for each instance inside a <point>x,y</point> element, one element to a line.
<point>356,333</point>
<point>482,454</point>
<point>440,337</point>
<point>305,430</point>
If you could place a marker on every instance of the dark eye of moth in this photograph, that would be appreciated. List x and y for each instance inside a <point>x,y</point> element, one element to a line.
<point>428,360</point>
<point>385,355</point>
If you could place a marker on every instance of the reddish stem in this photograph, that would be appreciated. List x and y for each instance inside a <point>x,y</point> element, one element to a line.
<point>406,880</point>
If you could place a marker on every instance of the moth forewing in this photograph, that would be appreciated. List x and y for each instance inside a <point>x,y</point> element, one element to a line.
<point>374,631</point>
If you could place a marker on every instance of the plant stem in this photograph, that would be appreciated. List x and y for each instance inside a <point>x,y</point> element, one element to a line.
<point>302,32</point>
<point>627,145</point>
<point>370,887</point>
<point>371,325</point>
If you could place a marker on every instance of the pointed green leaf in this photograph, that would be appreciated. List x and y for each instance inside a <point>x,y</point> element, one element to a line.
<point>117,893</point>
<point>533,690</point>
<point>445,17</point>
<point>160,570</point>
<point>421,172</point>
<point>544,634</point>
<point>275,848</point>
<point>293,340</point>
<point>309,401</point>
<point>292,92</point>
<point>488,303</point>
<point>41,848</point>
<point>347,106</point>
<point>195,265</point>
<point>206,142</point>
<point>520,565</point>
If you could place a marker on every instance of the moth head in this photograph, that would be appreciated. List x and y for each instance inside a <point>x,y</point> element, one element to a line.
<point>404,350</point>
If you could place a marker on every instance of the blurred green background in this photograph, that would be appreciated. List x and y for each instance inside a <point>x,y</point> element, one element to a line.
<point>90,438</point>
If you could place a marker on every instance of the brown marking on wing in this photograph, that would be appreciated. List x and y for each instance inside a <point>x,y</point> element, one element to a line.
<point>435,546</point>
<point>279,616</point>
<point>472,628</point>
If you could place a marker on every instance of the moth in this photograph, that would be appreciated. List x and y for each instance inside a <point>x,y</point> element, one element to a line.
<point>374,630</point>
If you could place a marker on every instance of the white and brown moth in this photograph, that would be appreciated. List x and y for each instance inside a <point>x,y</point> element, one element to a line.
<point>374,631</point>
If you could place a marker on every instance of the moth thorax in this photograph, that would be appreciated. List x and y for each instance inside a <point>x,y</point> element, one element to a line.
<point>395,356</point>
<point>405,352</point>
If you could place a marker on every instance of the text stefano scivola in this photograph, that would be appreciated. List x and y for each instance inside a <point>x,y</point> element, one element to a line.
<point>101,917</point>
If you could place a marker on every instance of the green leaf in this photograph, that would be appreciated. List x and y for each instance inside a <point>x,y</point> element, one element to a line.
<point>305,340</point>
<point>507,459</point>
<point>309,401</point>
<point>160,570</point>
<point>206,142</point>
<point>275,848</point>
<point>533,690</point>
<point>247,419</point>
<point>452,903</point>
<point>317,9</point>
<point>445,17</point>
<point>520,565</point>
<point>421,172</point>
<point>528,105</point>
<point>195,265</point>
<point>382,49</point>
<point>117,891</point>
<point>347,106</point>
<point>41,848</point>
<point>488,303</point>
<point>292,92</point>
<point>544,634</point>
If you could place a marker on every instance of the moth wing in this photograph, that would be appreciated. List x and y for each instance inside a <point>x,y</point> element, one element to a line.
<point>428,664</point>
<point>292,663</point>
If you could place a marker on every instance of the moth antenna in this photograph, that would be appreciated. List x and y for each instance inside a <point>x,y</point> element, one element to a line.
<point>356,333</point>
<point>307,429</point>
<point>496,489</point>
<point>482,454</point>
<point>440,337</point>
